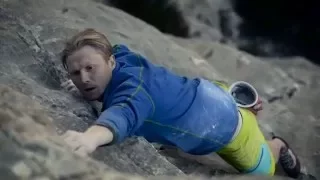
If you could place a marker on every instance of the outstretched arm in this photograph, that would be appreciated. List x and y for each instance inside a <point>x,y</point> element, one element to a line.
<point>129,107</point>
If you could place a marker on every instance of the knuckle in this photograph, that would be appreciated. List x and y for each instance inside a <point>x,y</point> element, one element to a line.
<point>66,134</point>
<point>69,132</point>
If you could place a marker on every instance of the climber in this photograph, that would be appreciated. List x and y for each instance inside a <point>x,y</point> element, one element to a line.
<point>142,99</point>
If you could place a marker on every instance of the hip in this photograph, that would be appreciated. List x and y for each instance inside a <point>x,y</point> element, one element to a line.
<point>212,118</point>
<point>207,125</point>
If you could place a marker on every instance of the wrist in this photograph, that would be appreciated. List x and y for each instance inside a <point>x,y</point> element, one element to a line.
<point>99,135</point>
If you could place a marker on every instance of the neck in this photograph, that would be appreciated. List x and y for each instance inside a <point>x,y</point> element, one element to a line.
<point>100,99</point>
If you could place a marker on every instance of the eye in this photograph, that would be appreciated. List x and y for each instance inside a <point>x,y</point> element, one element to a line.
<point>89,68</point>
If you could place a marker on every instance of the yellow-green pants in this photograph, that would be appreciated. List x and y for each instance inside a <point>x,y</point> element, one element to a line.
<point>249,151</point>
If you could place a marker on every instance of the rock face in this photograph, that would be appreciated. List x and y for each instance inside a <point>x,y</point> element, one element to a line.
<point>289,90</point>
<point>32,34</point>
<point>263,28</point>
<point>30,148</point>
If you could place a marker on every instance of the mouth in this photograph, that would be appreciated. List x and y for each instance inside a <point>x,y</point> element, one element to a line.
<point>89,89</point>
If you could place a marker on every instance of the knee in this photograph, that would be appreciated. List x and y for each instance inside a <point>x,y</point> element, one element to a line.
<point>266,165</point>
<point>263,171</point>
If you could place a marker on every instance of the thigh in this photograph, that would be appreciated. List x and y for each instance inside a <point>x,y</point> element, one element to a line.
<point>209,159</point>
<point>249,151</point>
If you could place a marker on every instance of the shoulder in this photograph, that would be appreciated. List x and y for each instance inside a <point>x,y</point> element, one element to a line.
<point>127,89</point>
<point>118,48</point>
<point>126,56</point>
<point>124,81</point>
<point>121,52</point>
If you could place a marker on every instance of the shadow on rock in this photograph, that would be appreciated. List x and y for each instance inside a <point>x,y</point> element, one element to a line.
<point>164,15</point>
<point>291,26</point>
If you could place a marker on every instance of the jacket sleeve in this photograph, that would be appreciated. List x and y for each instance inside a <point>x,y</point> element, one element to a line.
<point>130,106</point>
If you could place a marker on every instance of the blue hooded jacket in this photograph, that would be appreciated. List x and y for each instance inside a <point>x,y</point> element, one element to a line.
<point>147,100</point>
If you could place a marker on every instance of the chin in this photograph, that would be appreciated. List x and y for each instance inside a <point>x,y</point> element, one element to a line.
<point>91,98</point>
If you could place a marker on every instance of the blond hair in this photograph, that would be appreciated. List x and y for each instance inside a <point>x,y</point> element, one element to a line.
<point>89,37</point>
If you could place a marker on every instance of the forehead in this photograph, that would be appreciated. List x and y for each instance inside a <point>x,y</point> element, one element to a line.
<point>83,57</point>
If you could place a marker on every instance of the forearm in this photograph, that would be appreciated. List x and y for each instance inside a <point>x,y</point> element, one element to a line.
<point>116,121</point>
<point>124,116</point>
<point>100,135</point>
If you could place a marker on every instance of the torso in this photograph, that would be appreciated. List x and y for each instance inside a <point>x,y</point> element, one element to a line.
<point>182,111</point>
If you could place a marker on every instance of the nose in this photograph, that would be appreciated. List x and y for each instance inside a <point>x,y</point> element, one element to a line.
<point>84,77</point>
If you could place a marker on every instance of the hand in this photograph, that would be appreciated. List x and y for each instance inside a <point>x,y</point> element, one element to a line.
<point>257,107</point>
<point>70,87</point>
<point>85,143</point>
<point>81,143</point>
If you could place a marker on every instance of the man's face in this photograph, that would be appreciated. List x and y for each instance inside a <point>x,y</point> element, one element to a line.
<point>90,72</point>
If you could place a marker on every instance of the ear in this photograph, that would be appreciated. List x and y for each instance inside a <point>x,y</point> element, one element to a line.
<point>112,62</point>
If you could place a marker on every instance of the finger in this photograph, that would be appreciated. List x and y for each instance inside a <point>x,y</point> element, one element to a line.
<point>74,145</point>
<point>65,134</point>
<point>258,107</point>
<point>66,83</point>
<point>63,84</point>
<point>259,101</point>
<point>73,142</point>
<point>82,151</point>
<point>70,87</point>
<point>70,135</point>
<point>69,140</point>
<point>253,111</point>
<point>74,89</point>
